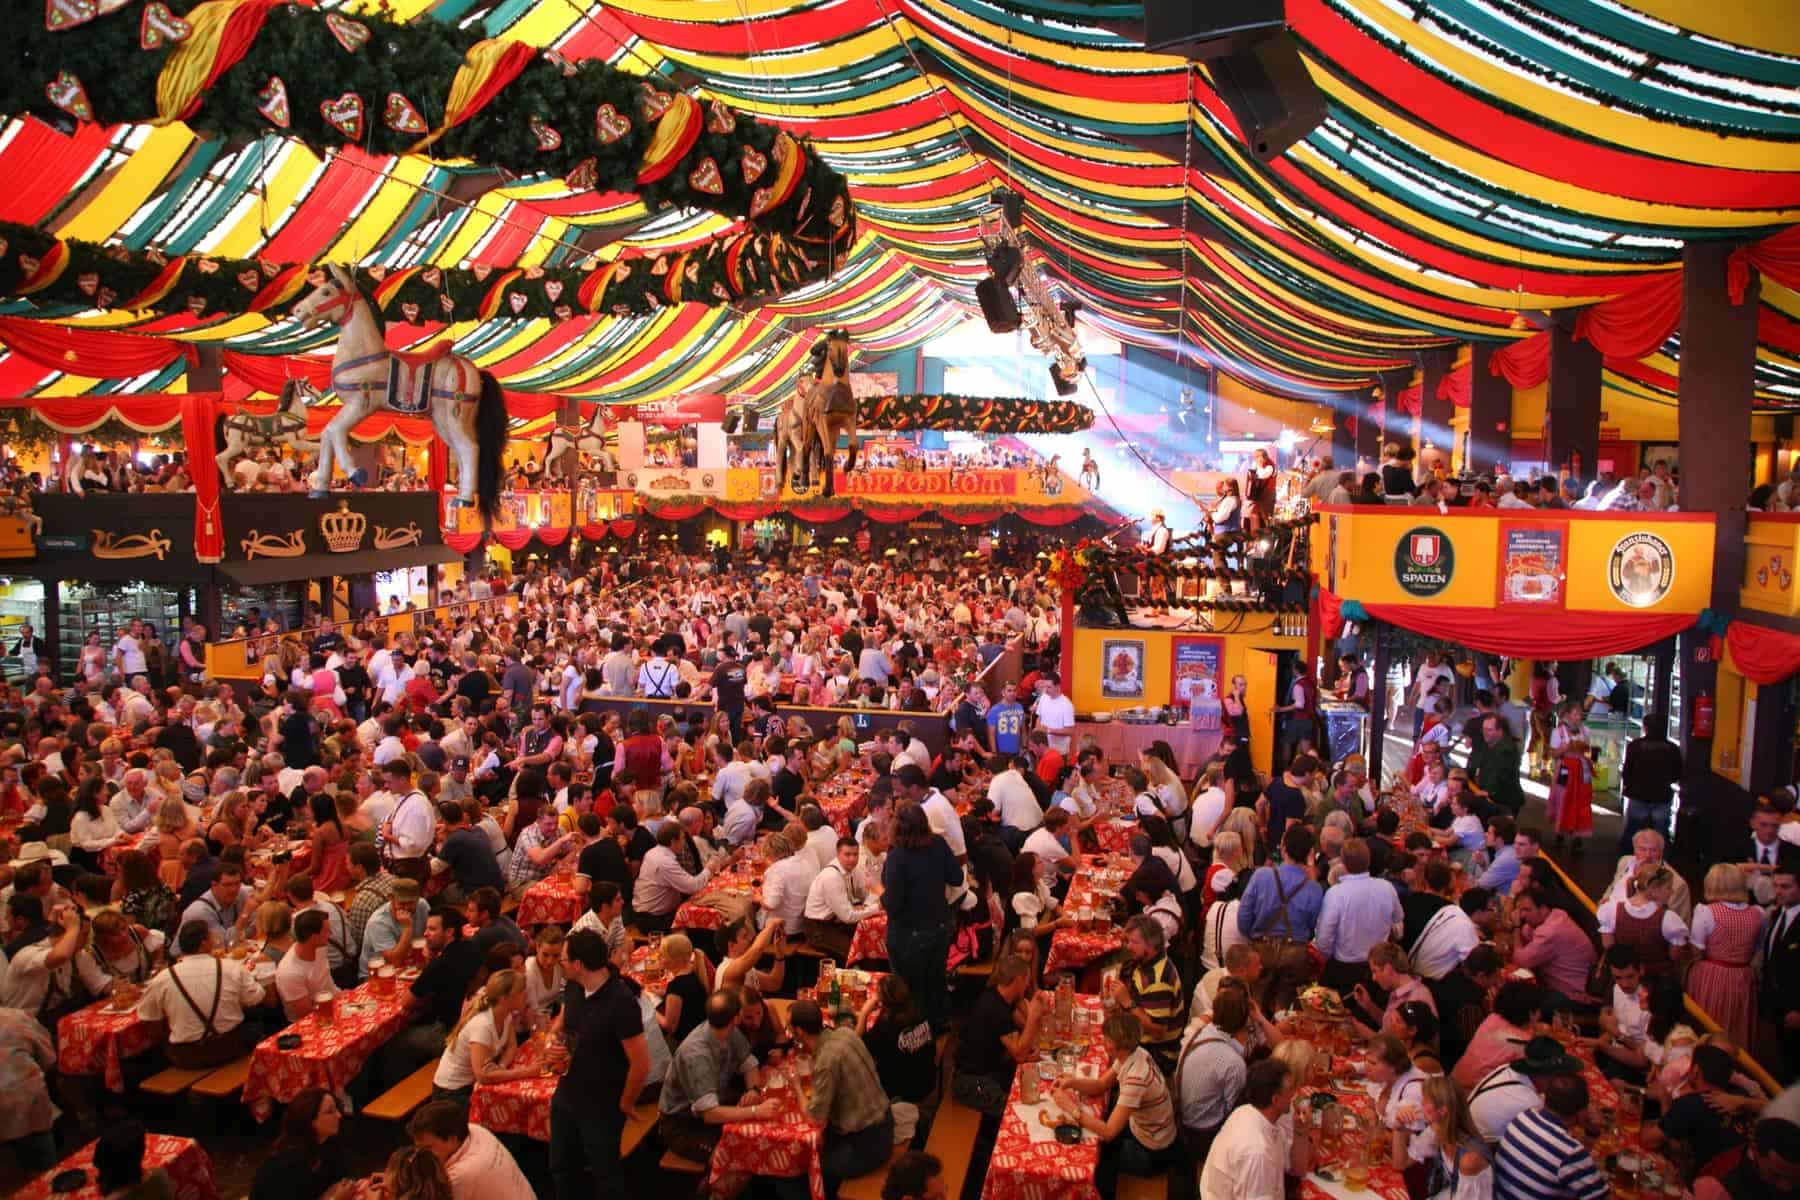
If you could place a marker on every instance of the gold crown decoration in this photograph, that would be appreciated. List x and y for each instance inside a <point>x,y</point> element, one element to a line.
<point>273,545</point>
<point>343,529</point>
<point>408,534</point>
<point>131,545</point>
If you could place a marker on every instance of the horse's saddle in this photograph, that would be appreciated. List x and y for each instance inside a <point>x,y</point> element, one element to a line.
<point>840,399</point>
<point>409,377</point>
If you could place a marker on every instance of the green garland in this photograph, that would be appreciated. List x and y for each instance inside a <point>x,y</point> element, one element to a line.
<point>543,123</point>
<point>972,414</point>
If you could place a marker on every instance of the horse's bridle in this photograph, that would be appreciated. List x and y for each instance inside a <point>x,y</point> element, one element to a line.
<point>343,305</point>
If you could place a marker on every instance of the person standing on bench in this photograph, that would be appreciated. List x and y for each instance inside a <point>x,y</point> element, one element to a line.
<point>701,1090</point>
<point>203,999</point>
<point>847,1096</point>
<point>607,1062</point>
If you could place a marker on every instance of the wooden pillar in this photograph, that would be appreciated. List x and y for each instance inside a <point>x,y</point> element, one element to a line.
<point>52,627</point>
<point>1572,425</point>
<point>1378,708</point>
<point>568,415</point>
<point>1435,414</point>
<point>1718,363</point>
<point>1662,679</point>
<point>207,373</point>
<point>1065,668</point>
<point>1490,412</point>
<point>211,610</point>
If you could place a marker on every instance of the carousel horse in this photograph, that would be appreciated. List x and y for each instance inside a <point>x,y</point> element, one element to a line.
<point>821,410</point>
<point>246,432</point>
<point>587,440</point>
<point>466,405</point>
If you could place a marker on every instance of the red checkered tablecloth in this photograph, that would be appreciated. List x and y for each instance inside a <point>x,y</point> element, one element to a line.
<point>870,940</point>
<point>518,1106</point>
<point>329,1056</point>
<point>784,1148</point>
<point>1073,946</point>
<point>186,1164</point>
<point>555,899</point>
<point>93,1040</point>
<point>1023,1169</point>
<point>696,915</point>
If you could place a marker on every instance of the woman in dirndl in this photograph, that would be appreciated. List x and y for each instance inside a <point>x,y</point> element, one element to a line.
<point>1725,934</point>
<point>1571,803</point>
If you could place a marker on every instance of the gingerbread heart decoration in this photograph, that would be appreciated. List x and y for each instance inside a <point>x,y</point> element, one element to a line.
<point>563,312</point>
<point>197,305</point>
<point>432,277</point>
<point>345,114</point>
<point>585,175</point>
<point>719,292</point>
<point>610,124</point>
<point>158,26</point>
<point>5,245</point>
<point>28,264</point>
<point>409,310</point>
<point>534,273</point>
<point>377,272</point>
<point>66,14</point>
<point>269,269</point>
<point>553,290</point>
<point>88,282</point>
<point>250,281</point>
<point>272,102</point>
<point>400,115</point>
<point>753,164</point>
<point>839,213</point>
<point>66,92</point>
<point>482,271</point>
<point>547,137</point>
<point>720,119</point>
<point>516,301</point>
<point>556,59</point>
<point>761,201</point>
<point>351,35</point>
<point>660,266</point>
<point>706,178</point>
<point>208,266</point>
<point>653,103</point>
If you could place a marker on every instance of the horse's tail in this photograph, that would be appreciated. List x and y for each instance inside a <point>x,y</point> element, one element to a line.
<point>490,443</point>
<point>219,432</point>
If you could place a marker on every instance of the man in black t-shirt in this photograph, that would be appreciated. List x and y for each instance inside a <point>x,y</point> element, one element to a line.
<point>1001,1032</point>
<point>299,732</point>
<point>605,860</point>
<point>1286,801</point>
<point>608,1063</point>
<point>728,680</point>
<point>452,966</point>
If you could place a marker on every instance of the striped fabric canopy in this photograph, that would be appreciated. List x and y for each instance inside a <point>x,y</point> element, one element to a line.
<point>1480,158</point>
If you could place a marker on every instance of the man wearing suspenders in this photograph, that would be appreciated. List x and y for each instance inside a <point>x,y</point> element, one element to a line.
<point>407,834</point>
<point>203,999</point>
<point>1516,1087</point>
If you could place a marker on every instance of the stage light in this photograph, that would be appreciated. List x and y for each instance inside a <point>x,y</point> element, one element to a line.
<point>1064,385</point>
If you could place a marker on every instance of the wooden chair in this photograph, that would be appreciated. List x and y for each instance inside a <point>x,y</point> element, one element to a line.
<point>225,1081</point>
<point>672,1161</point>
<point>400,1101</point>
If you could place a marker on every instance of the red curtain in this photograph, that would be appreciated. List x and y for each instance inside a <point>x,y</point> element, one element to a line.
<point>1572,635</point>
<point>823,512</point>
<point>199,412</point>
<point>1455,387</point>
<point>675,512</point>
<point>1777,257</point>
<point>553,537</point>
<point>1637,323</point>
<point>1049,516</point>
<point>742,512</point>
<point>462,543</point>
<point>897,515</point>
<point>594,532</point>
<point>270,373</point>
<point>513,539</point>
<point>96,352</point>
<point>1331,618</point>
<point>1762,655</point>
<point>1411,399</point>
<point>1524,364</point>
<point>970,516</point>
<point>149,413</point>
<point>623,529</point>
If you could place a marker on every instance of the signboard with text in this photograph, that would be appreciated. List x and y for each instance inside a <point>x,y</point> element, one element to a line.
<point>1533,564</point>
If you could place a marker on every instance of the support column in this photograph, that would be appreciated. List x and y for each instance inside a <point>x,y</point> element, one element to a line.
<point>1378,708</point>
<point>52,627</point>
<point>1435,414</point>
<point>1718,363</point>
<point>1368,433</point>
<point>568,415</point>
<point>1490,412</point>
<point>1572,425</point>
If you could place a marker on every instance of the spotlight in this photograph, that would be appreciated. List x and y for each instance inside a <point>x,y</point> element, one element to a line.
<point>1065,386</point>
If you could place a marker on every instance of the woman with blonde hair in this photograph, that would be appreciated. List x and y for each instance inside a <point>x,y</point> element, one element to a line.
<point>1726,932</point>
<point>688,977</point>
<point>1171,793</point>
<point>1297,1055</point>
<point>414,1173</point>
<point>236,823</point>
<point>482,1046</point>
<point>1242,821</point>
<point>1453,1153</point>
<point>175,828</point>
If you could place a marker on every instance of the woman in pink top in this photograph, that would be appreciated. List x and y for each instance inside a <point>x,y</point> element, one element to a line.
<point>1502,1036</point>
<point>1725,933</point>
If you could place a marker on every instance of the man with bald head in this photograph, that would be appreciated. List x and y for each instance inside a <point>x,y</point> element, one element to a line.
<point>133,807</point>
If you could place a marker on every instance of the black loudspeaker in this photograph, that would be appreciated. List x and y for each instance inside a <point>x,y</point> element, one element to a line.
<point>1207,29</point>
<point>732,417</point>
<point>1270,92</point>
<point>752,418</point>
<point>997,305</point>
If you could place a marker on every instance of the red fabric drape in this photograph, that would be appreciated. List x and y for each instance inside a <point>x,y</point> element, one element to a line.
<point>1411,399</point>
<point>675,512</point>
<point>437,466</point>
<point>1762,655</point>
<point>199,412</point>
<point>462,543</point>
<point>96,352</point>
<point>1524,364</point>
<point>513,539</point>
<point>1572,635</point>
<point>1455,386</point>
<point>149,413</point>
<point>898,515</point>
<point>823,512</point>
<point>742,512</point>
<point>1777,257</point>
<point>270,373</point>
<point>1049,516</point>
<point>970,516</point>
<point>553,537</point>
<point>623,529</point>
<point>1331,617</point>
<point>1636,323</point>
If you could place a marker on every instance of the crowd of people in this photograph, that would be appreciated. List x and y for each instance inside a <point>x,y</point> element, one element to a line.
<point>438,775</point>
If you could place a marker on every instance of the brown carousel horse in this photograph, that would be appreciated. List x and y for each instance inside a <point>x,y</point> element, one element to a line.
<point>821,410</point>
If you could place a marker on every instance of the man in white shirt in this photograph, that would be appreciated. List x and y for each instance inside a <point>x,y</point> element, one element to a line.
<point>836,903</point>
<point>915,750</point>
<point>131,807</point>
<point>911,783</point>
<point>1045,842</point>
<point>340,951</point>
<point>663,884</point>
<point>410,830</point>
<point>390,747</point>
<point>305,970</point>
<point>1016,803</point>
<point>1506,1091</point>
<point>1055,714</point>
<point>203,999</point>
<point>1444,942</point>
<point>128,651</point>
<point>1245,1161</point>
<point>821,838</point>
<point>731,778</point>
<point>785,887</point>
<point>42,976</point>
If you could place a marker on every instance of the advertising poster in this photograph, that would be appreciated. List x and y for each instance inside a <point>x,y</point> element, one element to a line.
<point>1532,564</point>
<point>1194,674</point>
<point>1122,670</point>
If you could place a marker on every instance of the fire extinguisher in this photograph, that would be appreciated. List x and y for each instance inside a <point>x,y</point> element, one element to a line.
<point>1703,715</point>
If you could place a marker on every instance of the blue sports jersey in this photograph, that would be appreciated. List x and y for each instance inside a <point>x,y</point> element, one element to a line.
<point>1007,723</point>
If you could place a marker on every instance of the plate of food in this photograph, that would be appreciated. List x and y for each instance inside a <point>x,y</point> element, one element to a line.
<point>1321,1003</point>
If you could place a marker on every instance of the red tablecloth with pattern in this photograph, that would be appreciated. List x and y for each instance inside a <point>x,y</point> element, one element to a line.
<point>1023,1169</point>
<point>93,1040</point>
<point>844,798</point>
<point>697,915</point>
<point>188,1168</point>
<point>329,1056</point>
<point>869,942</point>
<point>1114,836</point>
<point>784,1148</point>
<point>1346,1089</point>
<point>518,1106</point>
<point>1073,946</point>
<point>555,899</point>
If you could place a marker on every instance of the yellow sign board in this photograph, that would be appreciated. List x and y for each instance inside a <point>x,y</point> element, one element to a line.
<point>1771,561</point>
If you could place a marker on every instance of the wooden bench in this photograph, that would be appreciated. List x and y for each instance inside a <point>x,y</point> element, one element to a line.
<point>400,1101</point>
<point>221,1083</point>
<point>672,1161</point>
<point>868,1187</point>
<point>952,1140</point>
<point>173,1082</point>
<point>1143,1187</point>
<point>638,1126</point>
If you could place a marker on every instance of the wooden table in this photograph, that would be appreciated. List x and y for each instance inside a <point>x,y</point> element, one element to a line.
<point>329,1055</point>
<point>1122,742</point>
<point>94,1040</point>
<point>1073,946</point>
<point>186,1164</point>
<point>556,899</point>
<point>1024,1168</point>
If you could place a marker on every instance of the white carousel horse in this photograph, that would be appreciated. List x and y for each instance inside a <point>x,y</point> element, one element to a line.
<point>588,441</point>
<point>467,407</point>
<point>245,432</point>
<point>821,409</point>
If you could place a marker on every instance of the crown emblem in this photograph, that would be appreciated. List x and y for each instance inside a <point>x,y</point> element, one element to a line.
<point>343,529</point>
